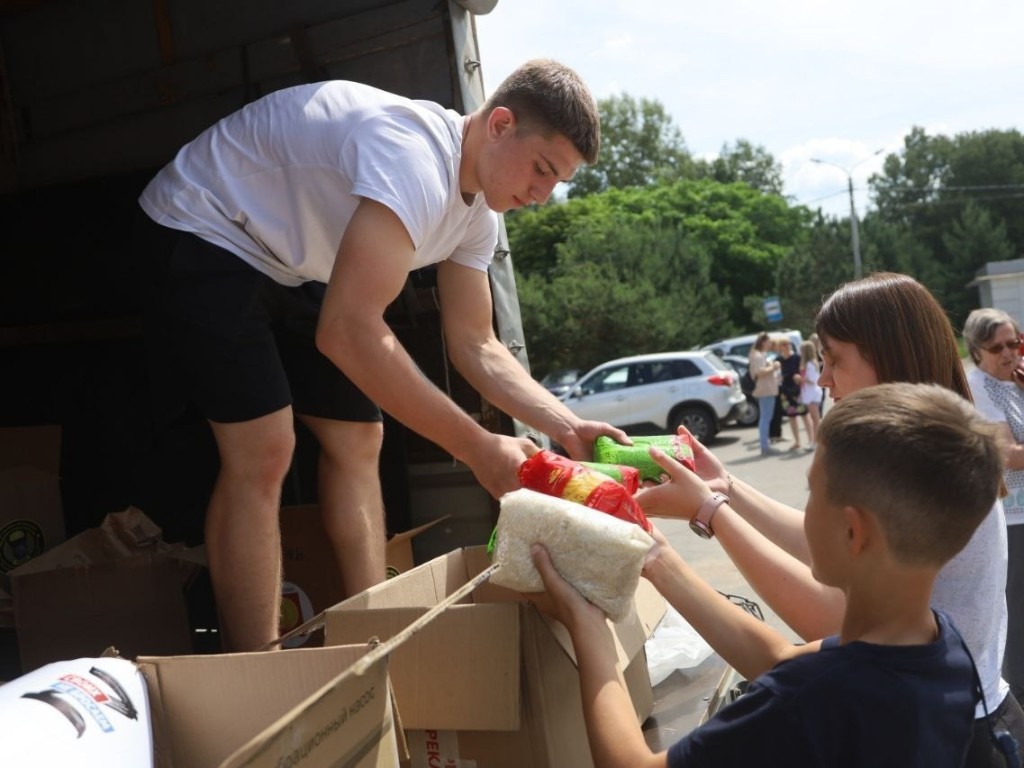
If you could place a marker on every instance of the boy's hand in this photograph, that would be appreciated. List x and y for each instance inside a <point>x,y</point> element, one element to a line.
<point>679,497</point>
<point>660,546</point>
<point>559,600</point>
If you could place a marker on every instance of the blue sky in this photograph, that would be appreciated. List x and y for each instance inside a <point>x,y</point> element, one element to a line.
<point>833,80</point>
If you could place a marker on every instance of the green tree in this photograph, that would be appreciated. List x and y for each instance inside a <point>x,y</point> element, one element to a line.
<point>894,247</point>
<point>640,145</point>
<point>700,246</point>
<point>747,163</point>
<point>931,198</point>
<point>818,264</point>
<point>972,240</point>
<point>620,287</point>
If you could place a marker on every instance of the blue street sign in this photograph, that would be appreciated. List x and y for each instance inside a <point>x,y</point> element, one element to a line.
<point>773,309</point>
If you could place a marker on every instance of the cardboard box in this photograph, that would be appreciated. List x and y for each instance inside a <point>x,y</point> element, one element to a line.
<point>494,671</point>
<point>203,707</point>
<point>118,584</point>
<point>301,708</point>
<point>312,581</point>
<point>31,513</point>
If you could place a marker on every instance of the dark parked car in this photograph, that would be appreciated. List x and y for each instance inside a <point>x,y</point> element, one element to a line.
<point>560,381</point>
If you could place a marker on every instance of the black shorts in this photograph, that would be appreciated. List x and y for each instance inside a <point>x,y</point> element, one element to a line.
<point>229,341</point>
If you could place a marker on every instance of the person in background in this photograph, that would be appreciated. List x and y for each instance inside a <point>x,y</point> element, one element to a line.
<point>789,391</point>
<point>775,427</point>
<point>816,341</point>
<point>766,388</point>
<point>993,342</point>
<point>270,248</point>
<point>810,392</point>
<point>883,328</point>
<point>902,476</point>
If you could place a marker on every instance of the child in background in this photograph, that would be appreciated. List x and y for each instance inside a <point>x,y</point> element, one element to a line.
<point>789,390</point>
<point>902,476</point>
<point>810,392</point>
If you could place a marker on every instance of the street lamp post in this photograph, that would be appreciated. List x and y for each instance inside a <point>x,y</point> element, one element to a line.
<point>854,223</point>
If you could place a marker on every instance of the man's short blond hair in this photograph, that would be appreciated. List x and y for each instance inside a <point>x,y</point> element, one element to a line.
<point>549,97</point>
<point>918,457</point>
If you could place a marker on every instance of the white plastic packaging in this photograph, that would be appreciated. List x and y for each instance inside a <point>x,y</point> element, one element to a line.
<point>599,554</point>
<point>87,713</point>
<point>674,645</point>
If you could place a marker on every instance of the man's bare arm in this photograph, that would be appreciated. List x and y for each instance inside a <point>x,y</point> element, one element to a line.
<point>372,265</point>
<point>475,351</point>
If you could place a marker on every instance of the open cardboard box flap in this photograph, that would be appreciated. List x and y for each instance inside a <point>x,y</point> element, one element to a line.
<point>118,584</point>
<point>315,707</point>
<point>121,535</point>
<point>273,708</point>
<point>463,667</point>
<point>465,671</point>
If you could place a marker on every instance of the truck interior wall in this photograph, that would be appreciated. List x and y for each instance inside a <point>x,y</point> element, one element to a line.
<point>94,89</point>
<point>74,356</point>
<point>100,95</point>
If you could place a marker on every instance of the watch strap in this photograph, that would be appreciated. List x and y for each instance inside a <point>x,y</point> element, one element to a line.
<point>701,522</point>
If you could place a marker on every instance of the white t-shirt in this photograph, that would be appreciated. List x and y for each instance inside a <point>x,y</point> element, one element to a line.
<point>971,588</point>
<point>1003,402</point>
<point>277,182</point>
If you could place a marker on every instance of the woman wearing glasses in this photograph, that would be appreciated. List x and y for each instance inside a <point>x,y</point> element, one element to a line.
<point>993,341</point>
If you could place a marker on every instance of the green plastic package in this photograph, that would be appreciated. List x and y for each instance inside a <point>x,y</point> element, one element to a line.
<point>608,451</point>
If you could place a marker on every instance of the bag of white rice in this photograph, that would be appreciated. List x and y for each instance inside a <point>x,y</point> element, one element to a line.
<point>600,555</point>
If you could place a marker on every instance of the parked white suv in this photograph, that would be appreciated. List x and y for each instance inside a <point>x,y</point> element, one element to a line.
<point>659,392</point>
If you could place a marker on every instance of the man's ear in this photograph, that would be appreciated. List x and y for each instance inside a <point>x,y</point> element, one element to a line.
<point>860,528</point>
<point>500,121</point>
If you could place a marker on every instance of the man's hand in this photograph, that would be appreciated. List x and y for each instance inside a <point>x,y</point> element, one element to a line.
<point>679,497</point>
<point>497,467</point>
<point>579,441</point>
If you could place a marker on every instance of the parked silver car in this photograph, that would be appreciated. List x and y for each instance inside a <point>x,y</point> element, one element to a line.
<point>740,345</point>
<point>656,393</point>
<point>560,381</point>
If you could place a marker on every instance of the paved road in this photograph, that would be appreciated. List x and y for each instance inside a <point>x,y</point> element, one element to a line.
<point>781,477</point>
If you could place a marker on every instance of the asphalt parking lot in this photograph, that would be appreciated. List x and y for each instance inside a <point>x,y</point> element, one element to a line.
<point>782,477</point>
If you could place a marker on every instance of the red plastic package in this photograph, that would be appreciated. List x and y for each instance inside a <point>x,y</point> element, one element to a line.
<point>627,477</point>
<point>547,472</point>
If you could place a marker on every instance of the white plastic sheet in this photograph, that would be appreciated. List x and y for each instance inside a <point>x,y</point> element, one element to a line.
<point>674,645</point>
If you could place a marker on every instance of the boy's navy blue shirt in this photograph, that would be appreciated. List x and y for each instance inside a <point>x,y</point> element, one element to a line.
<point>849,705</point>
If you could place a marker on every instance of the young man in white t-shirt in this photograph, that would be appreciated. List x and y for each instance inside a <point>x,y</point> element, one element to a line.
<point>275,241</point>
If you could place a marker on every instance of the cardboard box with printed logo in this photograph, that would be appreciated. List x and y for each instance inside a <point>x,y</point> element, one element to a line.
<point>117,584</point>
<point>493,680</point>
<point>31,513</point>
